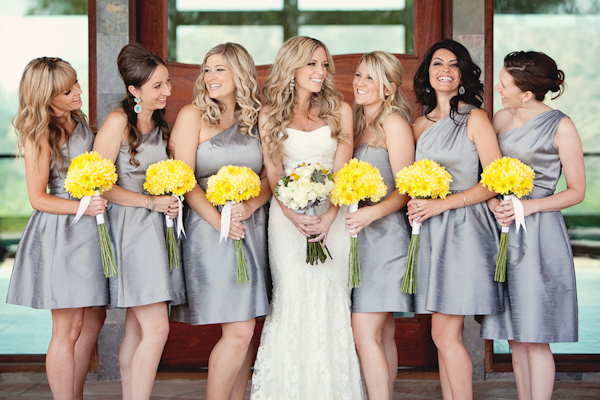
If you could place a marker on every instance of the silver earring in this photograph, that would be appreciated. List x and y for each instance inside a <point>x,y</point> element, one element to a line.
<point>138,107</point>
<point>461,90</point>
<point>523,100</point>
<point>427,90</point>
<point>292,84</point>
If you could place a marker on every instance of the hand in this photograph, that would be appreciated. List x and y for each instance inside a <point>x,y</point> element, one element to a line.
<point>504,213</point>
<point>322,227</point>
<point>236,231</point>
<point>357,221</point>
<point>304,223</point>
<point>240,212</point>
<point>97,206</point>
<point>421,209</point>
<point>166,205</point>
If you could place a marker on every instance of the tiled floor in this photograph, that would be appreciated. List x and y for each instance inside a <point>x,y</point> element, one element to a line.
<point>195,389</point>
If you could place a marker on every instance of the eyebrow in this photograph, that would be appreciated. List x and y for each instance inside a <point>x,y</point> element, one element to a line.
<point>441,59</point>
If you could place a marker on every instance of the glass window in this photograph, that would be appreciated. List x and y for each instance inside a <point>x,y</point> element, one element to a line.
<point>29,29</point>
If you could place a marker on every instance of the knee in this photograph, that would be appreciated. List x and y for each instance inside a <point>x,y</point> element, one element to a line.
<point>533,349</point>
<point>241,335</point>
<point>160,333</point>
<point>442,338</point>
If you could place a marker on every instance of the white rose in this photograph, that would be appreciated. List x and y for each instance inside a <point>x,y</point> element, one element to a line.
<point>303,203</point>
<point>329,185</point>
<point>292,185</point>
<point>312,196</point>
<point>319,189</point>
<point>285,194</point>
<point>300,197</point>
<point>293,205</point>
<point>304,184</point>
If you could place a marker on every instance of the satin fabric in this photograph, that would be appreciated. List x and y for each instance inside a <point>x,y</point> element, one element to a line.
<point>58,265</point>
<point>540,291</point>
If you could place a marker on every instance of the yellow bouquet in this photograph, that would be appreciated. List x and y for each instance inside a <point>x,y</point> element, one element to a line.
<point>513,179</point>
<point>91,175</point>
<point>173,178</point>
<point>356,181</point>
<point>424,179</point>
<point>233,184</point>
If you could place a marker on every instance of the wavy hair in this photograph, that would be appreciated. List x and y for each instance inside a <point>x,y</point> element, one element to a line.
<point>136,65</point>
<point>295,53</point>
<point>247,94</point>
<point>43,79</point>
<point>536,72</point>
<point>469,77</point>
<point>385,69</point>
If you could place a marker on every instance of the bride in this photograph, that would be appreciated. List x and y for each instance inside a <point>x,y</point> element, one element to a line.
<point>307,349</point>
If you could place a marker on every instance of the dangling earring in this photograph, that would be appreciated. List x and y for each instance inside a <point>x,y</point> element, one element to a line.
<point>427,90</point>
<point>292,84</point>
<point>461,90</point>
<point>523,100</point>
<point>138,107</point>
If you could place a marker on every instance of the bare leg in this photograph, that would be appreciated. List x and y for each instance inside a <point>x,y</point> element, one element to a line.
<point>444,384</point>
<point>227,359</point>
<point>153,323</point>
<point>390,349</point>
<point>60,359</point>
<point>521,369</point>
<point>446,332</point>
<point>93,320</point>
<point>241,381</point>
<point>367,329</point>
<point>129,343</point>
<point>541,369</point>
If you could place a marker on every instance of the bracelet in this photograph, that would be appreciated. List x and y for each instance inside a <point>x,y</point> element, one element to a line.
<point>464,199</point>
<point>153,202</point>
<point>147,208</point>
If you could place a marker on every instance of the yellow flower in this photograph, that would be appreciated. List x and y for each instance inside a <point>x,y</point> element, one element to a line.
<point>508,176</point>
<point>169,177</point>
<point>356,181</point>
<point>232,183</point>
<point>424,179</point>
<point>89,172</point>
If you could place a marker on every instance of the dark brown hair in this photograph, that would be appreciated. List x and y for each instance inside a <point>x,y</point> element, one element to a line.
<point>136,65</point>
<point>535,72</point>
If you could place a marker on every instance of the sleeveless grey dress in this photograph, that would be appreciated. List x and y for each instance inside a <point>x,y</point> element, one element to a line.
<point>382,249</point>
<point>458,248</point>
<point>138,236</point>
<point>214,296</point>
<point>58,265</point>
<point>541,298</point>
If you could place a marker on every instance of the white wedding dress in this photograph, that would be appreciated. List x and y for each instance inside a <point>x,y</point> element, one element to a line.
<point>306,348</point>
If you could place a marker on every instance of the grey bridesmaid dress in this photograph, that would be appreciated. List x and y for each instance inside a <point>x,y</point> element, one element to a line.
<point>540,293</point>
<point>138,236</point>
<point>58,265</point>
<point>213,294</point>
<point>457,255</point>
<point>382,247</point>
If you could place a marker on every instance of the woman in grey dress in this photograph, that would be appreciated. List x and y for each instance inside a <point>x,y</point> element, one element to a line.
<point>135,135</point>
<point>382,137</point>
<point>459,240</point>
<point>58,266</point>
<point>541,298</point>
<point>218,129</point>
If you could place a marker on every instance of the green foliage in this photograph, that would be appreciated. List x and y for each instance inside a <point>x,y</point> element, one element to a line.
<point>58,7</point>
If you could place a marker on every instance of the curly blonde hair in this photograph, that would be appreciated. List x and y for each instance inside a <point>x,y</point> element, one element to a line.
<point>295,53</point>
<point>385,69</point>
<point>43,79</point>
<point>247,94</point>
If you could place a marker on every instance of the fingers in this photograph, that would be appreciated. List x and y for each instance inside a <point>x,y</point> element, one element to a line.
<point>320,237</point>
<point>236,231</point>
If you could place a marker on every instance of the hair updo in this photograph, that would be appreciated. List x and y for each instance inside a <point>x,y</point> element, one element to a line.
<point>535,72</point>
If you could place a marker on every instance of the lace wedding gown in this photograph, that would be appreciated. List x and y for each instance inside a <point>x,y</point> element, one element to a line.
<point>307,349</point>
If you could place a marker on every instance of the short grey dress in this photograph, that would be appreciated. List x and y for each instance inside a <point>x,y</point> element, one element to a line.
<point>138,236</point>
<point>214,296</point>
<point>382,249</point>
<point>541,298</point>
<point>458,248</point>
<point>58,265</point>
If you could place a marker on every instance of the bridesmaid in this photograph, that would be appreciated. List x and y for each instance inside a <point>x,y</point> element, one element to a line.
<point>541,298</point>
<point>135,135</point>
<point>459,239</point>
<point>382,137</point>
<point>217,129</point>
<point>58,266</point>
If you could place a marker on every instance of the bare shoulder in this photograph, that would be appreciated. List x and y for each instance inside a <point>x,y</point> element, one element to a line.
<point>396,124</point>
<point>345,109</point>
<point>566,131</point>
<point>501,120</point>
<point>419,126</point>
<point>115,124</point>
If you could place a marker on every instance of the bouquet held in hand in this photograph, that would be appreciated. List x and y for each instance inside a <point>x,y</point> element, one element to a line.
<point>356,181</point>
<point>301,189</point>
<point>424,179</point>
<point>172,178</point>
<point>91,175</point>
<point>233,184</point>
<point>513,179</point>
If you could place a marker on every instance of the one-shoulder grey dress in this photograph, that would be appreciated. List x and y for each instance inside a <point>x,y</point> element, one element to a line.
<point>457,255</point>
<point>382,247</point>
<point>540,293</point>
<point>214,296</point>
<point>58,265</point>
<point>138,236</point>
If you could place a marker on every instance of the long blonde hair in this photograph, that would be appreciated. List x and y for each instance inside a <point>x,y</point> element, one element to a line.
<point>247,94</point>
<point>385,69</point>
<point>43,79</point>
<point>295,53</point>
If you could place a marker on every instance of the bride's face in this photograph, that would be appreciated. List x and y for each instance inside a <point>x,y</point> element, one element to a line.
<point>310,77</point>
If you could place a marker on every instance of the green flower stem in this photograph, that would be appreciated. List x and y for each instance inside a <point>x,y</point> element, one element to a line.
<point>242,270</point>
<point>354,264</point>
<point>172,248</point>
<point>315,251</point>
<point>109,265</point>
<point>409,282</point>
<point>500,275</point>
